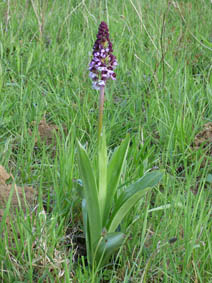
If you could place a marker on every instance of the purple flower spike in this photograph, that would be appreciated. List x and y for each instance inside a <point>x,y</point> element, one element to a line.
<point>103,62</point>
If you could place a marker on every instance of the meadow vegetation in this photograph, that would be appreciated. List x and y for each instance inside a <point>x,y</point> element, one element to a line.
<point>162,98</point>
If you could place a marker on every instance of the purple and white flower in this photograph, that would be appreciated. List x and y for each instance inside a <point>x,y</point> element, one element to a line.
<point>103,62</point>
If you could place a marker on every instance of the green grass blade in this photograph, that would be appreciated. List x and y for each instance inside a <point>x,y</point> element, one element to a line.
<point>102,170</point>
<point>91,195</point>
<point>115,168</point>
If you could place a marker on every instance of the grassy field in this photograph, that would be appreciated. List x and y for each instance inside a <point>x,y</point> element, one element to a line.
<point>162,97</point>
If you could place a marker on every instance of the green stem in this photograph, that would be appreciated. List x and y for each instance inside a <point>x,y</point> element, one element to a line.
<point>101,106</point>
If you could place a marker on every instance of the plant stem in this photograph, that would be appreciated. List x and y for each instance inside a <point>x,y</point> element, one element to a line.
<point>101,106</point>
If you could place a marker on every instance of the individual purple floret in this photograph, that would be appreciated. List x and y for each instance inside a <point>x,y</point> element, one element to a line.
<point>103,62</point>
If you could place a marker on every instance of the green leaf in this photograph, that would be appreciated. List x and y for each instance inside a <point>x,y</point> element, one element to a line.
<point>85,228</point>
<point>131,195</point>
<point>84,216</point>
<point>209,178</point>
<point>110,243</point>
<point>91,195</point>
<point>114,171</point>
<point>124,209</point>
<point>102,170</point>
<point>150,179</point>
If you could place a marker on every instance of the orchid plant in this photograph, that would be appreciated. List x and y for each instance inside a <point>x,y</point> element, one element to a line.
<point>104,206</point>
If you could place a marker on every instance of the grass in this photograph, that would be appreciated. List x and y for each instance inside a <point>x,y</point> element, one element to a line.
<point>162,97</point>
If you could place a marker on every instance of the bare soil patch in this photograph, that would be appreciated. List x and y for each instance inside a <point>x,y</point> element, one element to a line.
<point>21,197</point>
<point>204,140</point>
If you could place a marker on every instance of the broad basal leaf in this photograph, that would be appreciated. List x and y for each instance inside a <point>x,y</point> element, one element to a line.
<point>150,179</point>
<point>85,228</point>
<point>114,171</point>
<point>91,195</point>
<point>131,195</point>
<point>110,243</point>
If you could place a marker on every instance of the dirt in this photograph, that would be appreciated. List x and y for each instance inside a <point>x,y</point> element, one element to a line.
<point>17,200</point>
<point>46,132</point>
<point>204,140</point>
